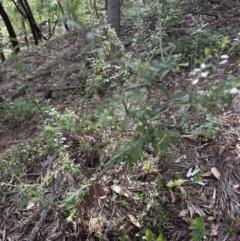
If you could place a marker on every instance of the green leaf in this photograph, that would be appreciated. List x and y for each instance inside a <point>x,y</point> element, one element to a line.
<point>176,183</point>
<point>174,139</point>
<point>4,198</point>
<point>130,168</point>
<point>229,102</point>
<point>137,152</point>
<point>23,201</point>
<point>148,235</point>
<point>164,90</point>
<point>180,95</point>
<point>160,237</point>
<point>229,229</point>
<point>156,149</point>
<point>207,52</point>
<point>198,228</point>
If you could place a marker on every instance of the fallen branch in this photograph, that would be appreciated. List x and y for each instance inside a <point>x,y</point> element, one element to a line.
<point>32,78</point>
<point>49,93</point>
<point>201,13</point>
<point>45,213</point>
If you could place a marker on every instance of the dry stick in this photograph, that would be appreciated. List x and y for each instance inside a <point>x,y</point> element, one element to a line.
<point>45,213</point>
<point>95,7</point>
<point>39,108</point>
<point>49,93</point>
<point>32,78</point>
<point>200,13</point>
<point>233,15</point>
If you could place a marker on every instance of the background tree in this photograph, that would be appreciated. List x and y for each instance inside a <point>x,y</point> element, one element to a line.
<point>25,10</point>
<point>52,16</point>
<point>62,11</point>
<point>113,14</point>
<point>11,32</point>
<point>2,56</point>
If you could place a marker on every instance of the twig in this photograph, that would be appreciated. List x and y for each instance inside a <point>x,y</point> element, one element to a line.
<point>45,213</point>
<point>200,13</point>
<point>49,93</point>
<point>32,78</point>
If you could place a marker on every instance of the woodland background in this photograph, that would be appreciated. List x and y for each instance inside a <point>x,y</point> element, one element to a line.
<point>119,120</point>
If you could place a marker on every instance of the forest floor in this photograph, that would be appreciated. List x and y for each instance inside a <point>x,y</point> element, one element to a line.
<point>53,74</point>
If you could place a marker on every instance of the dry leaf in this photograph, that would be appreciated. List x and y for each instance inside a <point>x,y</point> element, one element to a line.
<point>183,192</point>
<point>183,213</point>
<point>186,219</point>
<point>99,189</point>
<point>172,195</point>
<point>94,225</point>
<point>210,218</point>
<point>206,174</point>
<point>236,186</point>
<point>216,173</point>
<point>30,204</point>
<point>120,190</point>
<point>212,202</point>
<point>214,229</point>
<point>222,149</point>
<point>238,147</point>
<point>134,220</point>
<point>203,197</point>
<point>155,221</point>
<point>181,158</point>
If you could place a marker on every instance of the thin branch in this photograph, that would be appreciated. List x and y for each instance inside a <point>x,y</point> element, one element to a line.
<point>201,13</point>
<point>45,213</point>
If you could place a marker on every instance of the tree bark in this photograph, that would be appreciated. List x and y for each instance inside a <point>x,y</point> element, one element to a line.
<point>62,11</point>
<point>11,32</point>
<point>2,56</point>
<point>25,10</point>
<point>113,14</point>
<point>25,32</point>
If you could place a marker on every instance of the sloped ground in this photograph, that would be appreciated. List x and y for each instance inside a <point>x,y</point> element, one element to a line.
<point>120,204</point>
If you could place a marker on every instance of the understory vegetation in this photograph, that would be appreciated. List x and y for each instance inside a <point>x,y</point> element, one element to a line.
<point>124,139</point>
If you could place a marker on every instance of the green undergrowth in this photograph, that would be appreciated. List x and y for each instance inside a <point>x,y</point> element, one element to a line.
<point>123,119</point>
<point>17,111</point>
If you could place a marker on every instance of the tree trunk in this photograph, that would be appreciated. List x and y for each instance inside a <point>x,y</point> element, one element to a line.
<point>113,14</point>
<point>11,32</point>
<point>24,9</point>
<point>35,30</point>
<point>25,32</point>
<point>95,8</point>
<point>2,56</point>
<point>62,11</point>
